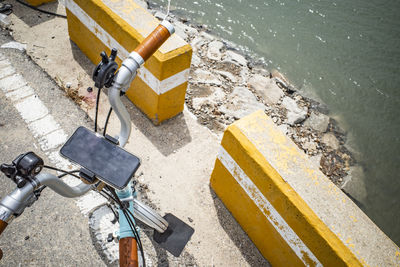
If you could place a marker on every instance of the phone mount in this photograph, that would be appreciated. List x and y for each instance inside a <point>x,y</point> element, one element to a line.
<point>100,158</point>
<point>103,74</point>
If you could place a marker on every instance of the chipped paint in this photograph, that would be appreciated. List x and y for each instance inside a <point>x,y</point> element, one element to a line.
<point>270,213</point>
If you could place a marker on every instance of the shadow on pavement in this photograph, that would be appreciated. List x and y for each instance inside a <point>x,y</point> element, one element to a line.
<point>237,235</point>
<point>166,137</point>
<point>185,259</point>
<point>32,17</point>
<point>82,59</point>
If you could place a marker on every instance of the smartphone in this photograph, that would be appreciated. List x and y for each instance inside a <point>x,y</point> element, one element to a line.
<point>109,162</point>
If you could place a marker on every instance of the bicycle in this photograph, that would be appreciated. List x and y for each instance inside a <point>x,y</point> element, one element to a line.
<point>105,167</point>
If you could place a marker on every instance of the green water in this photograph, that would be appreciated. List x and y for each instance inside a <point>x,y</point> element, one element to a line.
<point>344,53</point>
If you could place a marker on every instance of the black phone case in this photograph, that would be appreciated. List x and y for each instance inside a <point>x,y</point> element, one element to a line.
<point>109,162</point>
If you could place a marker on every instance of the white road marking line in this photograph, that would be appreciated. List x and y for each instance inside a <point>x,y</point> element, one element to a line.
<point>20,93</point>
<point>272,215</point>
<point>43,126</point>
<point>3,62</point>
<point>7,71</point>
<point>53,140</point>
<point>11,83</point>
<point>159,87</point>
<point>31,108</point>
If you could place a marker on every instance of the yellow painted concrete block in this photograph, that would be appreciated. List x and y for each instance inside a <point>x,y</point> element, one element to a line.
<point>160,86</point>
<point>292,212</point>
<point>38,2</point>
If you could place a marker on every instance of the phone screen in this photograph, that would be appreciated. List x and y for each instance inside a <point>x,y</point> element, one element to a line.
<point>109,162</point>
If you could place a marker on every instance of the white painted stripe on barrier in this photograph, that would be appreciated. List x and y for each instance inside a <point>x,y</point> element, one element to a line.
<point>266,208</point>
<point>166,84</point>
<point>159,87</point>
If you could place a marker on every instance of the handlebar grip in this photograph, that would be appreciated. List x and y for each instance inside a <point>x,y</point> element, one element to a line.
<point>3,226</point>
<point>128,255</point>
<point>155,40</point>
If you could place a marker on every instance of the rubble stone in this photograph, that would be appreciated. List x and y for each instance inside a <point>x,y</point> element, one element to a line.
<point>197,43</point>
<point>295,114</point>
<point>330,140</point>
<point>266,88</point>
<point>214,50</point>
<point>235,58</point>
<point>241,103</point>
<point>318,122</point>
<point>196,61</point>
<point>206,77</point>
<point>354,184</point>
<point>227,75</point>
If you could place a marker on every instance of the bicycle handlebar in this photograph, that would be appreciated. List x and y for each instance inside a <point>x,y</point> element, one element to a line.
<point>127,72</point>
<point>154,40</point>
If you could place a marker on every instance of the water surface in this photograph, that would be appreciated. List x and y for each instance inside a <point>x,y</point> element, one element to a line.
<point>344,53</point>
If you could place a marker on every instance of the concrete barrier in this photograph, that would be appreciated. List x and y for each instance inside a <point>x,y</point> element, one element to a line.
<point>293,213</point>
<point>38,2</point>
<point>160,86</point>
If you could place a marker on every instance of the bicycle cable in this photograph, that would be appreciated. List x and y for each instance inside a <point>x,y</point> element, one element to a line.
<point>128,218</point>
<point>41,10</point>
<point>65,174</point>
<point>107,119</point>
<point>130,222</point>
<point>136,234</point>
<point>63,171</point>
<point>97,109</point>
<point>109,195</point>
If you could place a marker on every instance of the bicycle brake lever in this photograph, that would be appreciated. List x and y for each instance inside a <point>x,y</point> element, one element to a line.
<point>9,170</point>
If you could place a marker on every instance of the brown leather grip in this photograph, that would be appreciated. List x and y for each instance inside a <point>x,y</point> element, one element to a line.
<point>152,42</point>
<point>128,256</point>
<point>3,226</point>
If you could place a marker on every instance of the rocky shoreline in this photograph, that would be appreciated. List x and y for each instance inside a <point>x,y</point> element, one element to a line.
<point>225,86</point>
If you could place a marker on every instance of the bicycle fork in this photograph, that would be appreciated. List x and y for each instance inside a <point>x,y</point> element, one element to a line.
<point>128,255</point>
